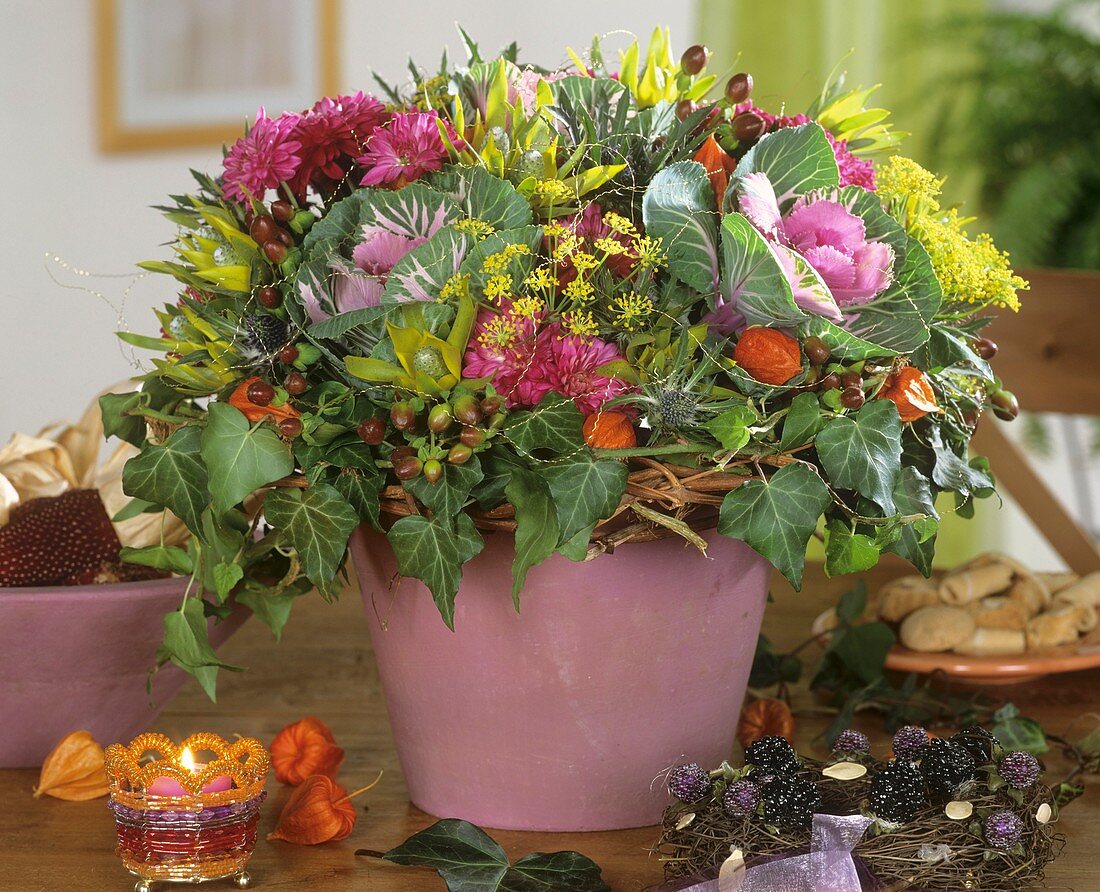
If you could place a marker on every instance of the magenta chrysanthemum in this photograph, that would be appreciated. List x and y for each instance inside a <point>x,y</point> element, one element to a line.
<point>504,353</point>
<point>331,133</point>
<point>263,158</point>
<point>567,364</point>
<point>405,149</point>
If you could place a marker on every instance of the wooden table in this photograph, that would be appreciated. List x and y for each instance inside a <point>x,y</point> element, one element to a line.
<point>324,667</point>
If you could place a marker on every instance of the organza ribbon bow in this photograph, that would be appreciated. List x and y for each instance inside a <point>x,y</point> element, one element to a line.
<point>827,867</point>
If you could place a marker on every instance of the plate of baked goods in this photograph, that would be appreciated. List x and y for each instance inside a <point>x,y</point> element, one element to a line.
<point>992,621</point>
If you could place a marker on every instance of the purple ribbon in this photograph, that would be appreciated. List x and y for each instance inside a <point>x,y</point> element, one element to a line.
<point>827,867</point>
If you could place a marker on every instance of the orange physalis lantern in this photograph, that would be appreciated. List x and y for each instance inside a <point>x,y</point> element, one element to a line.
<point>719,165</point>
<point>766,717</point>
<point>73,770</point>
<point>253,412</point>
<point>303,749</point>
<point>318,811</point>
<point>609,430</point>
<point>768,355</point>
<point>909,390</point>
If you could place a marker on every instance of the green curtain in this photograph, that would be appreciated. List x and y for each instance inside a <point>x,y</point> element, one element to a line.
<point>791,47</point>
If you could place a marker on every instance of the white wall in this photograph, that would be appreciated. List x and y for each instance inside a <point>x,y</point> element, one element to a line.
<point>61,196</point>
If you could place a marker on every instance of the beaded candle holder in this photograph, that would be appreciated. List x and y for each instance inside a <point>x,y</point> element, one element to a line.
<point>206,831</point>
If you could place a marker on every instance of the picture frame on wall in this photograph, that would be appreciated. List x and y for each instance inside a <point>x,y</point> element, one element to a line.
<point>177,73</point>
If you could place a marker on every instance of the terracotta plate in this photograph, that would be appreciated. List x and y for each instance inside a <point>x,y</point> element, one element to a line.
<point>997,670</point>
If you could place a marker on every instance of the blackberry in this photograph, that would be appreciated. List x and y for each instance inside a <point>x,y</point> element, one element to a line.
<point>790,801</point>
<point>741,798</point>
<point>849,741</point>
<point>772,754</point>
<point>897,792</point>
<point>1003,829</point>
<point>908,741</point>
<point>264,333</point>
<point>978,742</point>
<point>946,766</point>
<point>1019,769</point>
<point>689,783</point>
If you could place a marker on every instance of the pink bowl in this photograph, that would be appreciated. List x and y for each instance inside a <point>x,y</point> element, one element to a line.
<point>77,657</point>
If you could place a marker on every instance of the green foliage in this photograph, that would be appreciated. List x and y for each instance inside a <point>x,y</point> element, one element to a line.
<point>678,208</point>
<point>171,474</point>
<point>317,523</point>
<point>240,457</point>
<point>536,524</point>
<point>862,452</point>
<point>554,425</point>
<point>585,492</point>
<point>796,160</point>
<point>187,645</point>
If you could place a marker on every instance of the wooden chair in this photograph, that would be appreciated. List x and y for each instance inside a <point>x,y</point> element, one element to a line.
<point>1050,358</point>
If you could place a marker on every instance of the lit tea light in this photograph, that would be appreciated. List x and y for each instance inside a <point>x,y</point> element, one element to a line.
<point>169,786</point>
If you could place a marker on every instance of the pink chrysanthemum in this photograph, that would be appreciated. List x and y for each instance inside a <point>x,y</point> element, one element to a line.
<point>331,133</point>
<point>263,158</point>
<point>507,364</point>
<point>567,364</point>
<point>405,149</point>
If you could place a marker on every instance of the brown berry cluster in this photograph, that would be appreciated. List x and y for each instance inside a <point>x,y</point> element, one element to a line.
<point>269,231</point>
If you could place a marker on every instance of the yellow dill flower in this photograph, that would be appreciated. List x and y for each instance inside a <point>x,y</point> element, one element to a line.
<point>516,250</point>
<point>457,285</point>
<point>553,190</point>
<point>528,305</point>
<point>631,310</point>
<point>580,290</point>
<point>499,333</point>
<point>554,230</point>
<point>580,323</point>
<point>475,227</point>
<point>498,287</point>
<point>494,263</point>
<point>969,270</point>
<point>540,278</point>
<point>649,252</point>
<point>567,244</point>
<point>582,260</point>
<point>619,223</point>
<point>610,246</point>
<point>903,177</point>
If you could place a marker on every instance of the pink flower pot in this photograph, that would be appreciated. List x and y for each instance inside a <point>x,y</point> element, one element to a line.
<point>77,657</point>
<point>567,715</point>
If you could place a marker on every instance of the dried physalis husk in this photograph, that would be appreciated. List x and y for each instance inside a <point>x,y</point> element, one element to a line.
<point>318,811</point>
<point>303,749</point>
<point>958,810</point>
<point>1043,813</point>
<point>766,717</point>
<point>74,770</point>
<point>844,770</point>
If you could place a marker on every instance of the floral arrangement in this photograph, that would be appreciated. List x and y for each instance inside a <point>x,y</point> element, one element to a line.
<point>588,305</point>
<point>939,813</point>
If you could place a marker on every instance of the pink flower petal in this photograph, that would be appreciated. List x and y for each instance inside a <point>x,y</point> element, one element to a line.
<point>756,200</point>
<point>823,222</point>
<point>874,263</point>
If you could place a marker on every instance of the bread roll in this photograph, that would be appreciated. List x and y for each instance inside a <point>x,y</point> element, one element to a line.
<point>936,628</point>
<point>1031,593</point>
<point>1062,625</point>
<point>899,598</point>
<point>993,642</point>
<point>974,583</point>
<point>999,612</point>
<point>1055,582</point>
<point>1085,591</point>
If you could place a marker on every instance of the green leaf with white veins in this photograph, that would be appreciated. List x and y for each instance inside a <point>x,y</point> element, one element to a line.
<point>731,428</point>
<point>776,518</point>
<point>678,207</point>
<point>554,424</point>
<point>796,160</point>
<point>803,421</point>
<point>434,551</point>
<point>916,541</point>
<point>536,524</point>
<point>752,278</point>
<point>171,474</point>
<point>241,457</point>
<point>846,551</point>
<point>317,522</point>
<point>447,495</point>
<point>862,452</point>
<point>585,492</point>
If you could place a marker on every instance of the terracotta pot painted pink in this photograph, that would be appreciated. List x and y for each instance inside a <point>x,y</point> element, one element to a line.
<point>565,716</point>
<point>77,658</point>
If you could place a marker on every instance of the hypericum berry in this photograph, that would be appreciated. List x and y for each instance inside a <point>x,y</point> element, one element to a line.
<point>850,741</point>
<point>748,127</point>
<point>290,427</point>
<point>407,467</point>
<point>283,211</point>
<point>491,405</point>
<point>460,454</point>
<point>1005,405</point>
<point>439,419</point>
<point>288,354</point>
<point>400,452</point>
<point>851,379</point>
<point>897,792</point>
<point>816,350</point>
<point>909,741</point>
<point>262,229</point>
<point>978,742</point>
<point>433,470</point>
<point>985,348</point>
<point>296,383</point>
<point>830,382</point>
<point>694,59</point>
<point>261,393</point>
<point>689,783</point>
<point>946,766</point>
<point>472,436</point>
<point>741,798</point>
<point>739,88</point>
<point>275,251</point>
<point>372,431</point>
<point>852,397</point>
<point>285,237</point>
<point>790,801</point>
<point>1019,769</point>
<point>684,108</point>
<point>403,416</point>
<point>772,754</point>
<point>467,410</point>
<point>269,296</point>
<point>1003,829</point>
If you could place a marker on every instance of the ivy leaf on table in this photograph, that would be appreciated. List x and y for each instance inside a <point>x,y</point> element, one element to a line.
<point>770,668</point>
<point>469,860</point>
<point>536,525</point>
<point>187,645</point>
<point>318,522</point>
<point>554,424</point>
<point>777,517</point>
<point>171,474</point>
<point>1016,732</point>
<point>241,457</point>
<point>862,452</point>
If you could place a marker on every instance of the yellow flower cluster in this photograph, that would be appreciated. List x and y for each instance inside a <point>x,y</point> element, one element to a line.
<point>649,252</point>
<point>970,270</point>
<point>580,323</point>
<point>904,178</point>
<point>553,191</point>
<point>475,227</point>
<point>618,223</point>
<point>498,287</point>
<point>527,305</point>
<point>580,290</point>
<point>499,333</point>
<point>498,262</point>
<point>540,279</point>
<point>631,310</point>
<point>611,247</point>
<point>456,286</point>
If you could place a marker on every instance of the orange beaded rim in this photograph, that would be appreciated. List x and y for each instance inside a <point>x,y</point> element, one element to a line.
<point>244,760</point>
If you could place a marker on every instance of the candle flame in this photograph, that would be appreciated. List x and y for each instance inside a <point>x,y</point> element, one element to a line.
<point>186,759</point>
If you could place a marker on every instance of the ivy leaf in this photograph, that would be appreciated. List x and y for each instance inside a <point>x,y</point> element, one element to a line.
<point>585,492</point>
<point>187,644</point>
<point>272,609</point>
<point>777,517</point>
<point>576,549</point>
<point>554,424</point>
<point>434,551</point>
<point>916,541</point>
<point>769,668</point>
<point>114,409</point>
<point>678,208</point>
<point>847,551</point>
<point>1018,733</point>
<point>163,557</point>
<point>862,452</point>
<point>953,473</point>
<point>731,428</point>
<point>856,655</point>
<point>241,457</point>
<point>317,522</point>
<point>803,421</point>
<point>536,525</point>
<point>225,577</point>
<point>469,860</point>
<point>361,490</point>
<point>171,474</point>
<point>447,495</point>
